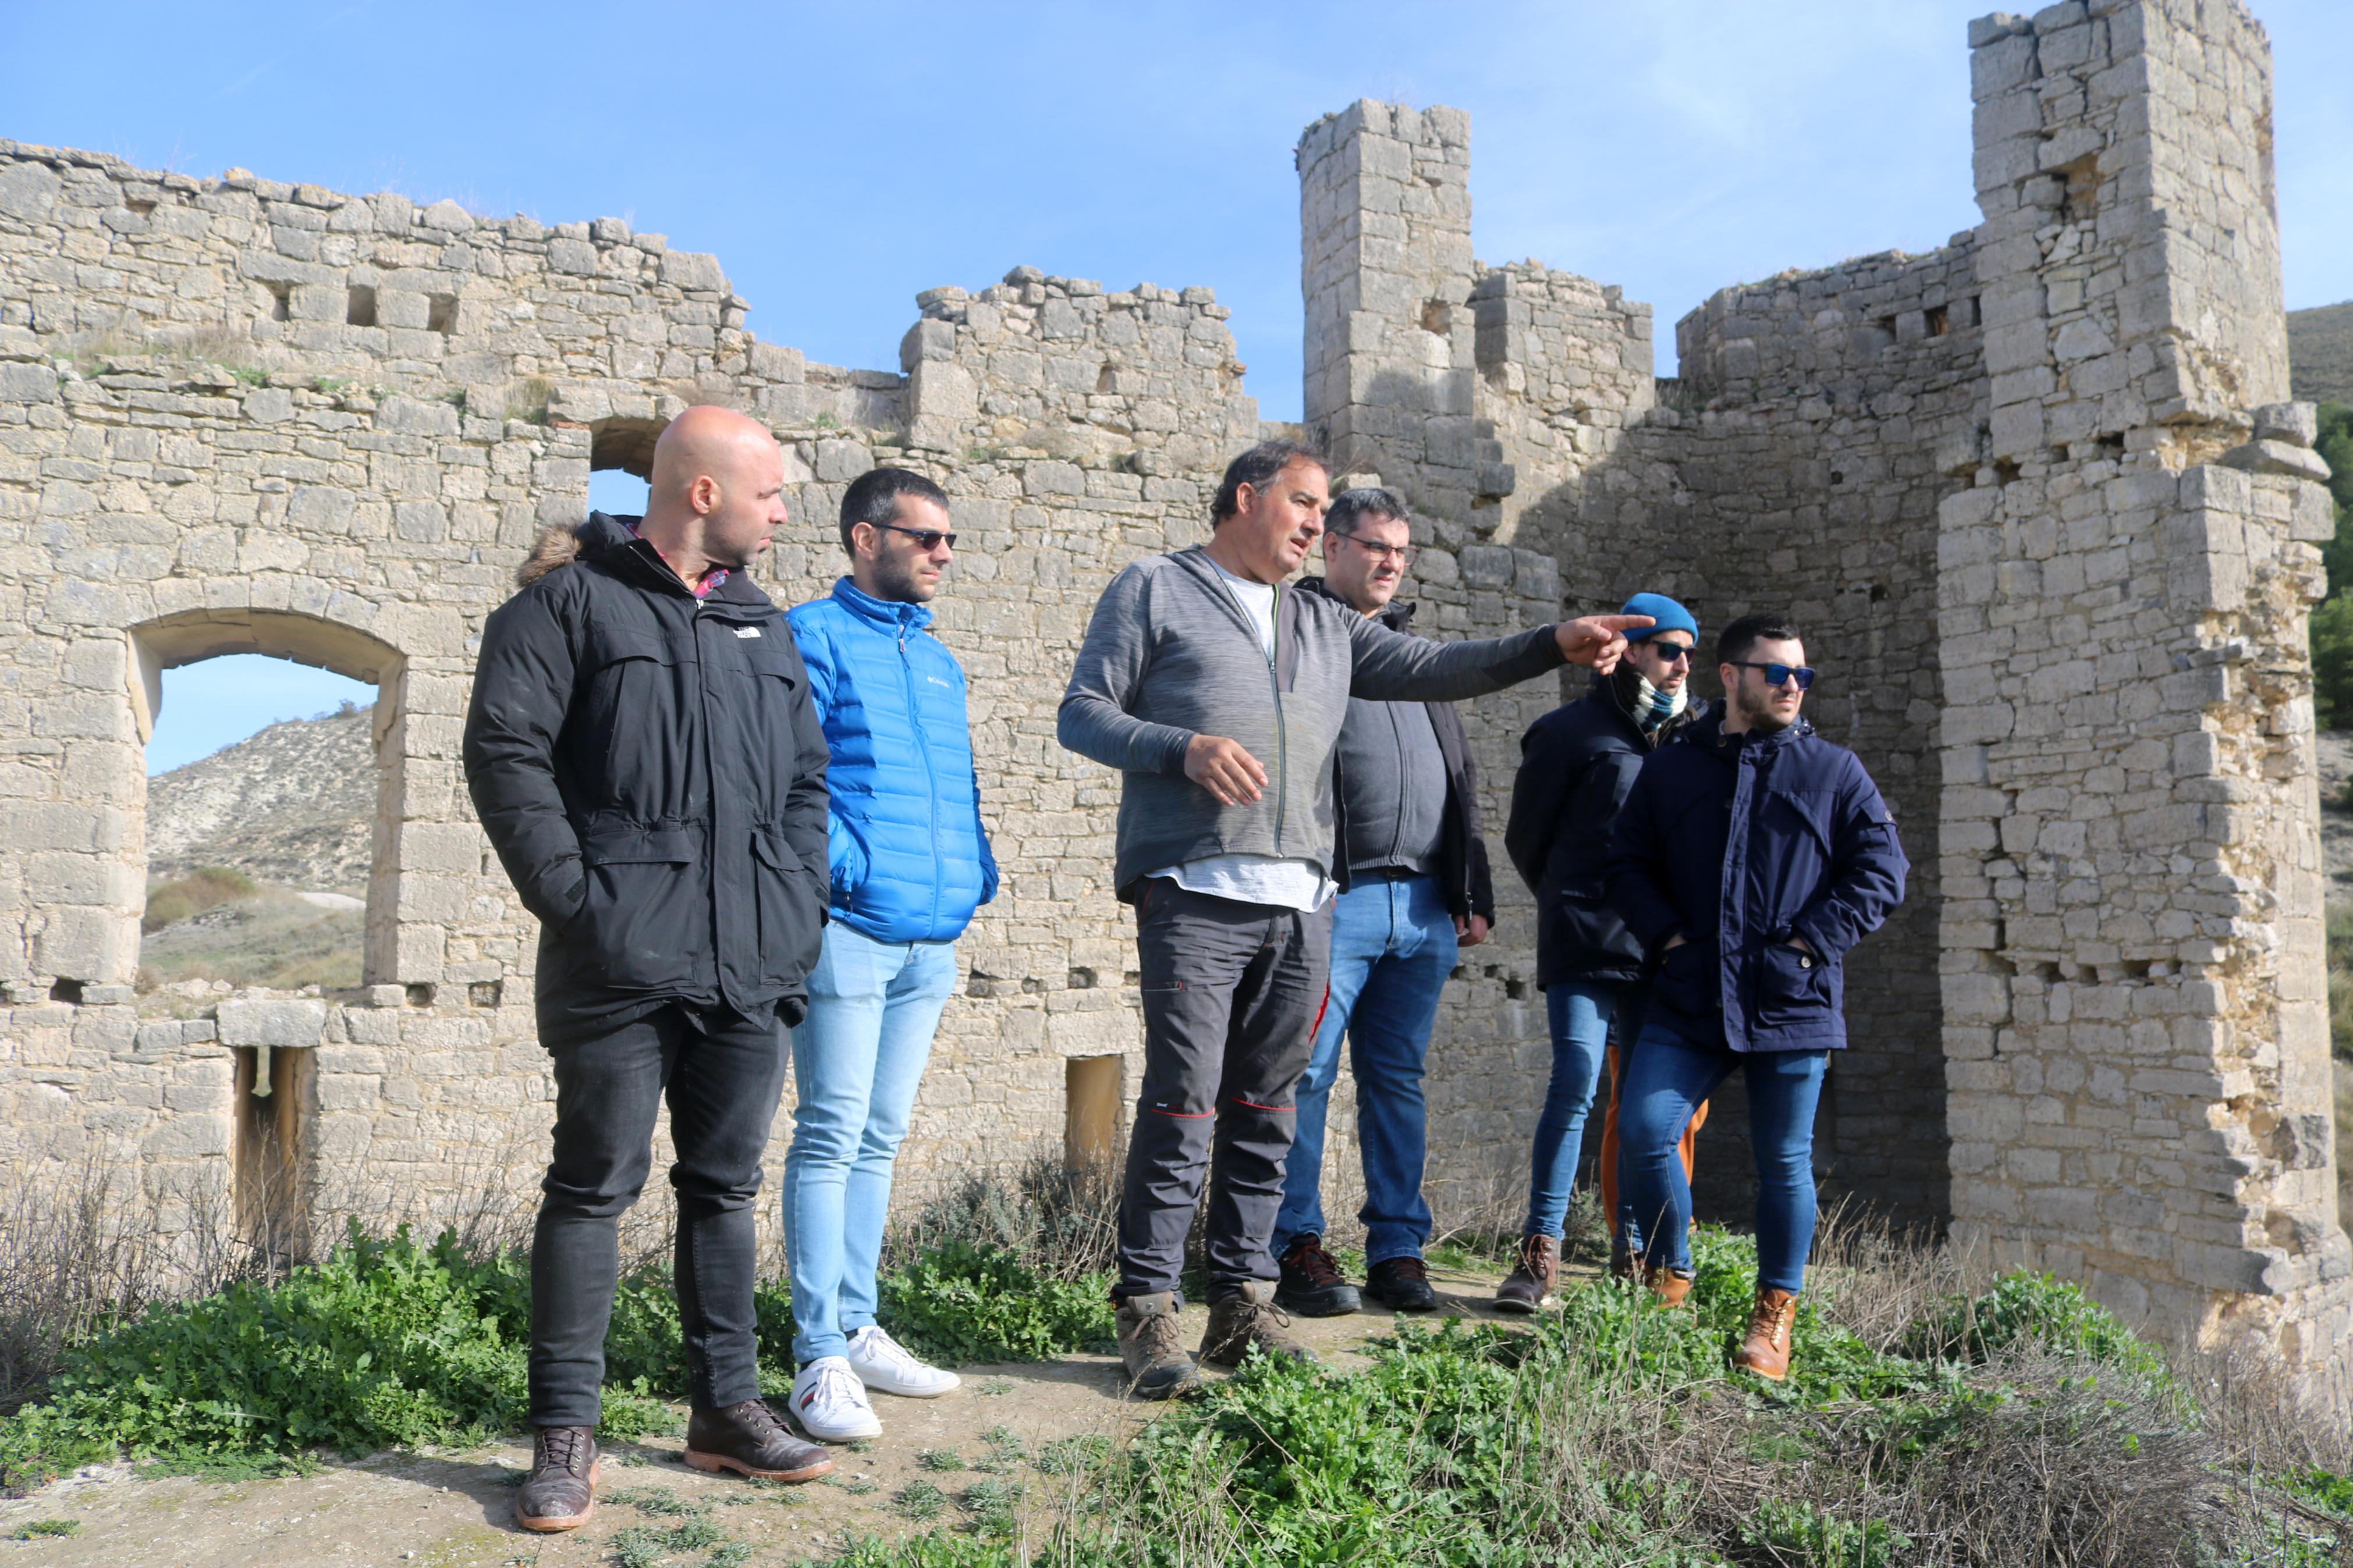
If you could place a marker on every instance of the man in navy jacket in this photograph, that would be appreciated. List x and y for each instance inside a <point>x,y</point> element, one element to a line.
<point>1756,803</point>
<point>910,863</point>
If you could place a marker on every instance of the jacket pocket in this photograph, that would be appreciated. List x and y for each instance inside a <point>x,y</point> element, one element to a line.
<point>1687,980</point>
<point>850,862</point>
<point>1792,986</point>
<point>646,914</point>
<point>791,910</point>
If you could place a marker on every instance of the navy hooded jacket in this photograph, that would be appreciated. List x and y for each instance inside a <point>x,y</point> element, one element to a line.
<point>909,854</point>
<point>1740,843</point>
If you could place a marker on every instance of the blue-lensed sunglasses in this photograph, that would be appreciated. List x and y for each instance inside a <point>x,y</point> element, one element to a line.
<point>1779,674</point>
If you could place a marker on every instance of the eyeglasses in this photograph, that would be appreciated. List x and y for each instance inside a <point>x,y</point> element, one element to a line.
<point>1668,652</point>
<point>1779,674</point>
<point>926,539</point>
<point>1402,555</point>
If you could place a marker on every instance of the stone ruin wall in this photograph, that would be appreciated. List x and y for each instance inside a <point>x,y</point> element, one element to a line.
<point>2036,499</point>
<point>2030,494</point>
<point>239,415</point>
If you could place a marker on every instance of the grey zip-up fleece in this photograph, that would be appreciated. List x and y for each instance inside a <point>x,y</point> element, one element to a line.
<point>1170,655</point>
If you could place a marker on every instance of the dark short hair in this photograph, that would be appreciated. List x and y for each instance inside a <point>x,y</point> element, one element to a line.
<point>873,496</point>
<point>1254,469</point>
<point>1735,642</point>
<point>1363,500</point>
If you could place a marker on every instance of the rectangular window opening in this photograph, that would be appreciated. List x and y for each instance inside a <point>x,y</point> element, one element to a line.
<point>271,1089</point>
<point>1940,321</point>
<point>359,308</point>
<point>441,313</point>
<point>1090,1094</point>
<point>281,302</point>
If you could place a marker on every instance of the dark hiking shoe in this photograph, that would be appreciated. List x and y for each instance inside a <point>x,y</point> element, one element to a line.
<point>1248,1317</point>
<point>559,1493</point>
<point>1401,1284</point>
<point>1157,1366</point>
<point>1312,1285</point>
<point>748,1439</point>
<point>1533,1278</point>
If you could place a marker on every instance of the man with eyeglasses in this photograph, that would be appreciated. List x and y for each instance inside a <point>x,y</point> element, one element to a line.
<point>1576,766</point>
<point>1754,804</point>
<point>910,863</point>
<point>1405,793</point>
<point>1220,697</point>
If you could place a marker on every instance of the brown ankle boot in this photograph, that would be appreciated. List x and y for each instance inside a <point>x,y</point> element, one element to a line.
<point>560,1492</point>
<point>1533,1278</point>
<point>1668,1286</point>
<point>1249,1318</point>
<point>1766,1351</point>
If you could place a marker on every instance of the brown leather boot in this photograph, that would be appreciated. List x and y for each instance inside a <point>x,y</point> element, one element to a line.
<point>1766,1351</point>
<point>1157,1365</point>
<point>1668,1285</point>
<point>1247,1318</point>
<point>748,1439</point>
<point>559,1493</point>
<point>1534,1276</point>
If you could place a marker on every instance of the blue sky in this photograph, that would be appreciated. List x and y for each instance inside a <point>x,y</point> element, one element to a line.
<point>839,159</point>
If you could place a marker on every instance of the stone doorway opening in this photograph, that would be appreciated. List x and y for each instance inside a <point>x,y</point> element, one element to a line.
<point>270,870</point>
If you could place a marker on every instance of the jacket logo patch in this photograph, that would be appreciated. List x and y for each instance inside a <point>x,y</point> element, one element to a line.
<point>748,631</point>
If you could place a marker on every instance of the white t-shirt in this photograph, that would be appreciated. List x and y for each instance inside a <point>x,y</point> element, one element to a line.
<point>1286,884</point>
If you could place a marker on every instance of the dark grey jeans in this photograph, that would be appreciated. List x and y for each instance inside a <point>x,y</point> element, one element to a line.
<point>1230,996</point>
<point>722,1074</point>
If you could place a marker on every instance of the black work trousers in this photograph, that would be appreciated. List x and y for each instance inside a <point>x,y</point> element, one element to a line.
<point>722,1074</point>
<point>1230,996</point>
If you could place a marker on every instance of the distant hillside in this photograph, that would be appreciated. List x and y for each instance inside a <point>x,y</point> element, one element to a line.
<point>293,806</point>
<point>2320,354</point>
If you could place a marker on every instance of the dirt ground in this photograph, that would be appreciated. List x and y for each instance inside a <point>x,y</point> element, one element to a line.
<point>455,1509</point>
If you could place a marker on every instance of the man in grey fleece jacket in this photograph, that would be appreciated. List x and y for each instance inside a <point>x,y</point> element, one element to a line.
<point>1220,698</point>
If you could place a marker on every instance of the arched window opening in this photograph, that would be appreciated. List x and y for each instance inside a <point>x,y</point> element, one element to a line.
<point>261,804</point>
<point>620,464</point>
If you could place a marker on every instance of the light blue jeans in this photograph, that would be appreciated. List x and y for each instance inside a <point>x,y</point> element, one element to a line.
<point>1579,1012</point>
<point>1392,948</point>
<point>858,1058</point>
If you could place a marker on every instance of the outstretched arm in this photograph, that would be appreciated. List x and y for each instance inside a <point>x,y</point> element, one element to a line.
<point>1391,666</point>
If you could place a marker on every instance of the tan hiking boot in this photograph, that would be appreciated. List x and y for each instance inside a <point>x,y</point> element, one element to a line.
<point>1766,1350</point>
<point>1533,1279</point>
<point>560,1492</point>
<point>1248,1317</point>
<point>1157,1366</point>
<point>1668,1286</point>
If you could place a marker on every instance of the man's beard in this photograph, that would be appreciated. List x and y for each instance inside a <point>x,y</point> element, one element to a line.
<point>898,582</point>
<point>1758,711</point>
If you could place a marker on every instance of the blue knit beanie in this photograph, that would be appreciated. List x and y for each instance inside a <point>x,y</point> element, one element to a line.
<point>1670,617</point>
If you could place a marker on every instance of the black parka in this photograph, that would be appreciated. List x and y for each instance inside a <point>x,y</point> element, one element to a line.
<point>1576,766</point>
<point>650,770</point>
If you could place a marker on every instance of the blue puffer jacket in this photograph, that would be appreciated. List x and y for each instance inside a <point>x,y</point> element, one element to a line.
<point>909,854</point>
<point>1793,828</point>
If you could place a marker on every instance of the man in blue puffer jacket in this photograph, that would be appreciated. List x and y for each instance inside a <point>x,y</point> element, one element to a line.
<point>910,865</point>
<point>1749,858</point>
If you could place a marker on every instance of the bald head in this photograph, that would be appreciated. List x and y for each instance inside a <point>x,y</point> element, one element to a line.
<point>717,495</point>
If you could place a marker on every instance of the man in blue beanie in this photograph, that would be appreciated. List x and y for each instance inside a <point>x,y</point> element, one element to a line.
<point>1577,764</point>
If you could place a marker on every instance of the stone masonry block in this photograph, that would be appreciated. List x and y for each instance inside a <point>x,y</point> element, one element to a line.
<point>294,1024</point>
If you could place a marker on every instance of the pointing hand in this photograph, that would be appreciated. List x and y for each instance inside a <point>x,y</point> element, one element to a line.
<point>1597,640</point>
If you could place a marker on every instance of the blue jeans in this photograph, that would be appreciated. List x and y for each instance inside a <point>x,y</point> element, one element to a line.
<point>1580,1013</point>
<point>1667,1079</point>
<point>856,1059</point>
<point>1392,948</point>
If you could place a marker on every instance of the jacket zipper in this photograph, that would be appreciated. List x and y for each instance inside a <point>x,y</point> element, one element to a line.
<point>930,780</point>
<point>1281,732</point>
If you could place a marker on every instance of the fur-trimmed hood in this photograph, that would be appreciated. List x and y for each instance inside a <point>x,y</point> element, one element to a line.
<point>560,543</point>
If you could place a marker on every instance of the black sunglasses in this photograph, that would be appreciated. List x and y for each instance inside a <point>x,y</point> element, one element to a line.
<point>1778,673</point>
<point>1668,652</point>
<point>926,539</point>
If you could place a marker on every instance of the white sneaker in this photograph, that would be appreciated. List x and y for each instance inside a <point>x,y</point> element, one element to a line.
<point>882,1362</point>
<point>829,1404</point>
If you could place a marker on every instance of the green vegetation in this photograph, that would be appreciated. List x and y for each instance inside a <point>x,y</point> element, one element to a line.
<point>390,1344</point>
<point>2332,620</point>
<point>206,886</point>
<point>266,936</point>
<point>39,1529</point>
